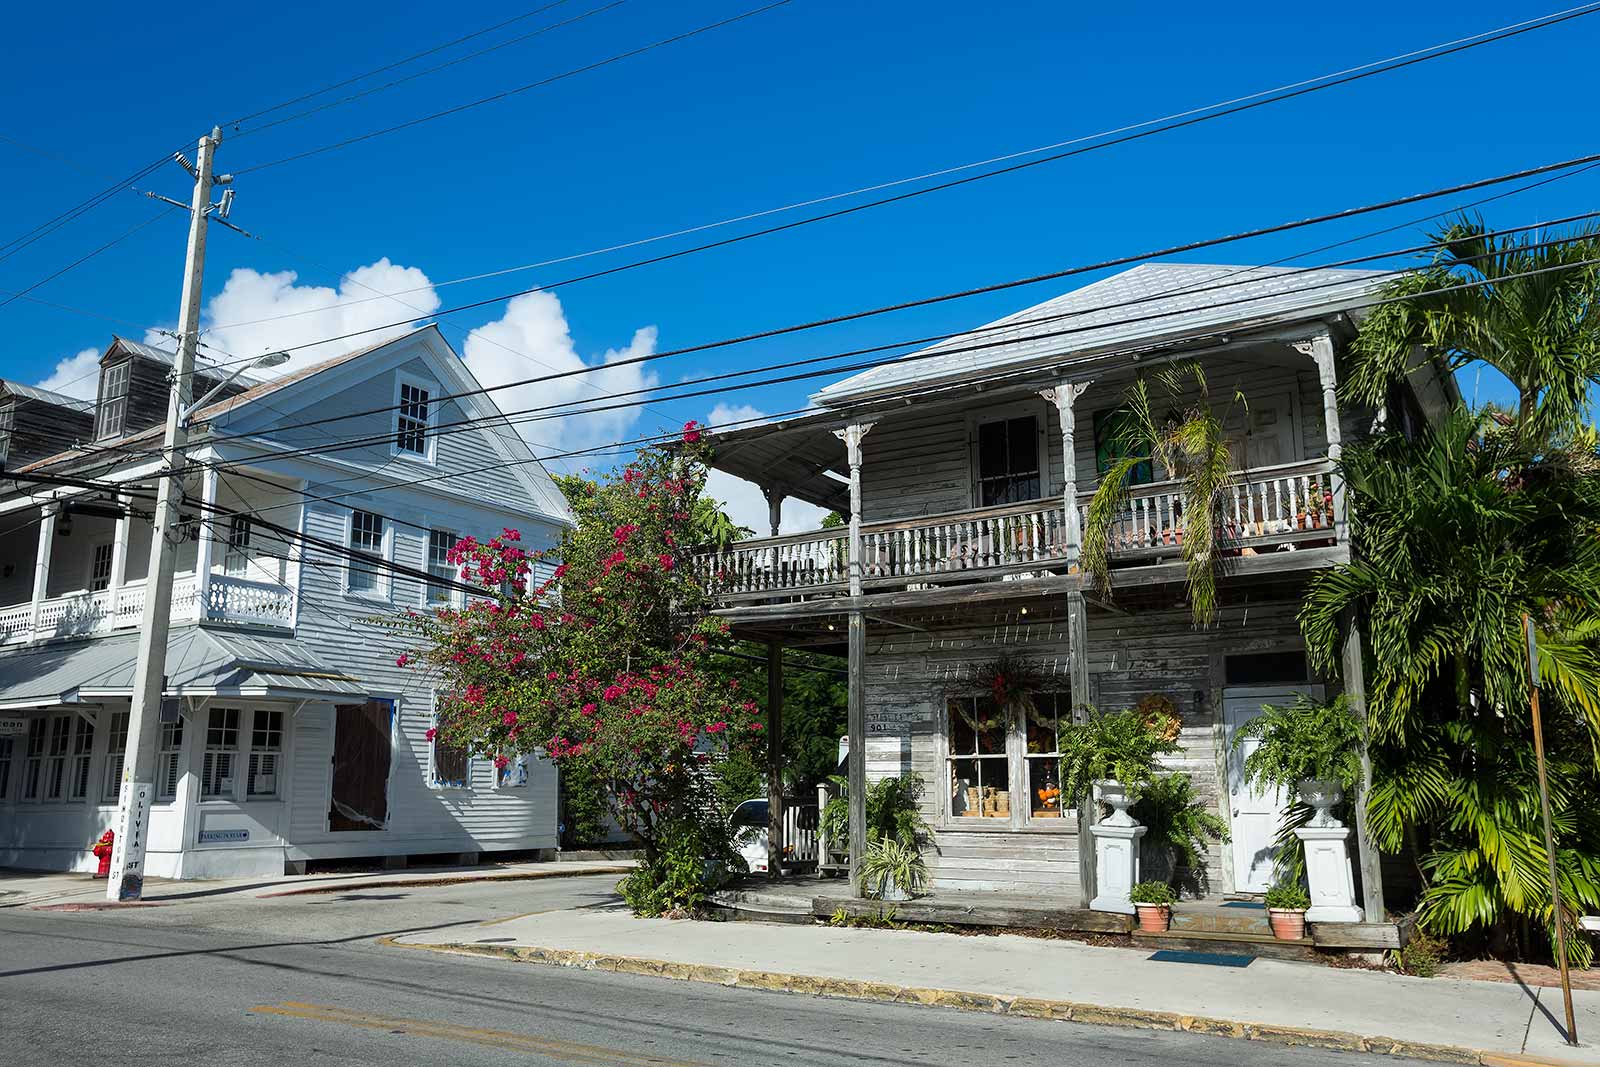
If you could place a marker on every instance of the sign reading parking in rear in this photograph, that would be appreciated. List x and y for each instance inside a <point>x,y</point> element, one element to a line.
<point>212,837</point>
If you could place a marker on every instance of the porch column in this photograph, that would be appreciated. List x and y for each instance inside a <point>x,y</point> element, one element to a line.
<point>857,715</point>
<point>775,835</point>
<point>774,497</point>
<point>1355,689</point>
<point>41,564</point>
<point>1064,396</point>
<point>1320,349</point>
<point>119,552</point>
<point>205,544</point>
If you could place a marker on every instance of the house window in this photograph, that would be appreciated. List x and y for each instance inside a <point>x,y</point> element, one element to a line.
<point>411,420</point>
<point>7,748</point>
<point>440,542</point>
<point>8,417</point>
<point>222,752</point>
<point>100,567</point>
<point>1008,461</point>
<point>82,758</point>
<point>116,751</point>
<point>266,747</point>
<point>112,410</point>
<point>366,537</point>
<point>55,766</point>
<point>168,760</point>
<point>980,763</point>
<point>1041,735</point>
<point>236,557</point>
<point>1113,430</point>
<point>452,767</point>
<point>33,762</point>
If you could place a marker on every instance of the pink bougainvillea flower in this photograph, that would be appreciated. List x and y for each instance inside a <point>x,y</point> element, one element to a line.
<point>431,734</point>
<point>402,659</point>
<point>691,432</point>
<point>509,718</point>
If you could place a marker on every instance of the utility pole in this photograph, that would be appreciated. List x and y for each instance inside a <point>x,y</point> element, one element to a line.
<point>149,676</point>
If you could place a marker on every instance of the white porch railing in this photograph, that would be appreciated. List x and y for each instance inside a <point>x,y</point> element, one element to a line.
<point>1265,508</point>
<point>81,614</point>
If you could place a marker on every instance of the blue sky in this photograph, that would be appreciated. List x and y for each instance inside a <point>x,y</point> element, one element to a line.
<point>812,98</point>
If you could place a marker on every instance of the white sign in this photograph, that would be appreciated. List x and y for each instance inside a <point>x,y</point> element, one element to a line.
<point>12,725</point>
<point>208,837</point>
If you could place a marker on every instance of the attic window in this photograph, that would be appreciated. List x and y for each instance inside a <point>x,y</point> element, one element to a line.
<point>112,411</point>
<point>411,420</point>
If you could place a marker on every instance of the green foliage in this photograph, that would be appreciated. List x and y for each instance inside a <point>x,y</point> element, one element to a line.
<point>694,859</point>
<point>1120,745</point>
<point>1307,739</point>
<point>1288,896</point>
<point>892,811</point>
<point>814,706</point>
<point>890,861</point>
<point>1180,829</point>
<point>1422,956</point>
<point>1187,444</point>
<point>881,918</point>
<point>583,806</point>
<point>1152,893</point>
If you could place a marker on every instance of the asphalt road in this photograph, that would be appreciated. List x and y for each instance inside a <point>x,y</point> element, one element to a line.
<point>301,980</point>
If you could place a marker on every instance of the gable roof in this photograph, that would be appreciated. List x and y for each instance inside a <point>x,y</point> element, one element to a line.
<point>45,396</point>
<point>1150,303</point>
<point>203,364</point>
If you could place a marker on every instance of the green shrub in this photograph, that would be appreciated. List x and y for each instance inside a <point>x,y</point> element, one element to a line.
<point>1152,893</point>
<point>1120,745</point>
<point>696,859</point>
<point>890,861</point>
<point>1422,955</point>
<point>892,811</point>
<point>1307,739</point>
<point>1181,828</point>
<point>1288,896</point>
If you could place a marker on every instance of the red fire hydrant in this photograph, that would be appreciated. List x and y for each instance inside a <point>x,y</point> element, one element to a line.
<point>102,852</point>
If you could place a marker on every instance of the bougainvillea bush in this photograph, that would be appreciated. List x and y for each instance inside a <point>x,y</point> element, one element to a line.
<point>605,667</point>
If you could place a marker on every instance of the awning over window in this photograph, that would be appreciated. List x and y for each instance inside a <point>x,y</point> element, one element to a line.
<point>200,662</point>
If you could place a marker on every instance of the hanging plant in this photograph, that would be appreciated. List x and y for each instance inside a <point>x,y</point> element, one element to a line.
<point>1160,715</point>
<point>1011,681</point>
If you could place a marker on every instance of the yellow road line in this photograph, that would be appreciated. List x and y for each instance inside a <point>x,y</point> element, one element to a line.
<point>502,1039</point>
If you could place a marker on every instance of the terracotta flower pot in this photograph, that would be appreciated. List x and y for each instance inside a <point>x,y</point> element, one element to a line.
<point>1154,918</point>
<point>1287,925</point>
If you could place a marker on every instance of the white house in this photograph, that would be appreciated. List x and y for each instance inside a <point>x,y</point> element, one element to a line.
<point>289,734</point>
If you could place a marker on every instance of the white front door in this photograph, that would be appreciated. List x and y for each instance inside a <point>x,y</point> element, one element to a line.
<point>1256,815</point>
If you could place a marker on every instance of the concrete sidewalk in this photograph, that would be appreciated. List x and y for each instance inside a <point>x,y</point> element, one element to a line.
<point>1293,1003</point>
<point>49,888</point>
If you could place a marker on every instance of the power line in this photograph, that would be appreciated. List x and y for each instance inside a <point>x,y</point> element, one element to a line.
<point>49,226</point>
<point>1481,38</point>
<point>19,293</point>
<point>469,105</point>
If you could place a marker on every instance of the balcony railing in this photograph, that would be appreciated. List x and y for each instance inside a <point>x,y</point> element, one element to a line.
<point>227,600</point>
<point>1266,508</point>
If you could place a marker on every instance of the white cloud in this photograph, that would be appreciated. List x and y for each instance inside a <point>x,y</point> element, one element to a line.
<point>245,317</point>
<point>532,340</point>
<point>742,500</point>
<point>77,375</point>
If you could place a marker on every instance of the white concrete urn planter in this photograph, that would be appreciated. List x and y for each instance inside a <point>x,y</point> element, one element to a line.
<point>1116,850</point>
<point>1329,876</point>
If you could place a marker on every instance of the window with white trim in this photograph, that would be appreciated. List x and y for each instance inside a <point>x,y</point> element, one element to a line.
<point>112,410</point>
<point>222,754</point>
<point>440,543</point>
<point>411,420</point>
<point>1004,764</point>
<point>82,757</point>
<point>169,760</point>
<point>33,761</point>
<point>116,752</point>
<point>7,752</point>
<point>980,763</point>
<point>450,767</point>
<point>236,555</point>
<point>266,750</point>
<point>366,537</point>
<point>100,567</point>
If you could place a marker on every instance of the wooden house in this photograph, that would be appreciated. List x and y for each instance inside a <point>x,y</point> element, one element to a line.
<point>35,423</point>
<point>966,470</point>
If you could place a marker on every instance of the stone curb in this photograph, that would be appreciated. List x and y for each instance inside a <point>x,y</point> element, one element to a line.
<point>995,1004</point>
<point>448,879</point>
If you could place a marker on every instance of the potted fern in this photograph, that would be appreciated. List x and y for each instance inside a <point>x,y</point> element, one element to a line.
<point>1311,746</point>
<point>1116,755</point>
<point>1153,901</point>
<point>1287,903</point>
<point>893,870</point>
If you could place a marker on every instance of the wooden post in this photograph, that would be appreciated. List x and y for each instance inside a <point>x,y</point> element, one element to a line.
<point>775,836</point>
<point>205,546</point>
<point>1078,656</point>
<point>1355,690</point>
<point>856,719</point>
<point>774,497</point>
<point>1558,912</point>
<point>41,564</point>
<point>119,554</point>
<point>1064,396</point>
<point>1320,349</point>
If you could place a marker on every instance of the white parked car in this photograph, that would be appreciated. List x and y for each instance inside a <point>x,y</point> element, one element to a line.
<point>749,822</point>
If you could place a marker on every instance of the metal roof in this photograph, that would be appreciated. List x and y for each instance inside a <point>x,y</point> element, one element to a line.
<point>1148,304</point>
<point>200,662</point>
<point>202,363</point>
<point>33,392</point>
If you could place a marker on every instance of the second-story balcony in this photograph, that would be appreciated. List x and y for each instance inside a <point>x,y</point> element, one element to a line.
<point>82,613</point>
<point>1267,509</point>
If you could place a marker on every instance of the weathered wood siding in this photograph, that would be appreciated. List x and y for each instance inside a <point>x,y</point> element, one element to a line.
<point>40,429</point>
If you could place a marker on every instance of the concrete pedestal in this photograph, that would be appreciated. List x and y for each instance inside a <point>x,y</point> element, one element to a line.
<point>1332,883</point>
<point>1116,864</point>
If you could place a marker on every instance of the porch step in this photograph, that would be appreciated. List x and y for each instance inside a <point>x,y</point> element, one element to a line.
<point>1212,918</point>
<point>1263,945</point>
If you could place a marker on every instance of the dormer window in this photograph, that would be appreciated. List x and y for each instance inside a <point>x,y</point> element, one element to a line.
<point>112,412</point>
<point>411,420</point>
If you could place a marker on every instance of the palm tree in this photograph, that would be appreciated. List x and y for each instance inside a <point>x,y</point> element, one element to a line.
<point>1188,446</point>
<point>1463,530</point>
<point>1522,303</point>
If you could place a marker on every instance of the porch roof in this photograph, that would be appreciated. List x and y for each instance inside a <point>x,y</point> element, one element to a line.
<point>791,455</point>
<point>200,662</point>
